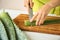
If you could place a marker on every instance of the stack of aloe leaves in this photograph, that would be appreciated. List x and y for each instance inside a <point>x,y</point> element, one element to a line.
<point>9,30</point>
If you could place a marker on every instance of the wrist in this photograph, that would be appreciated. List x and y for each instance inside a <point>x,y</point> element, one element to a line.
<point>51,5</point>
<point>48,6</point>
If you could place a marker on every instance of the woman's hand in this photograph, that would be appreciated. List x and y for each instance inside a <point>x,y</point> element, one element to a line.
<point>41,14</point>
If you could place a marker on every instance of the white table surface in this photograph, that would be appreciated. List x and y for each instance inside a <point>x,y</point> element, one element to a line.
<point>33,35</point>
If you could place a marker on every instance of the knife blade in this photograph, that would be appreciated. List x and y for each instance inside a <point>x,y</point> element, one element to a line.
<point>30,13</point>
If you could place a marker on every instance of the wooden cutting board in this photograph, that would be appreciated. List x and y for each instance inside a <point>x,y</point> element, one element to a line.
<point>49,28</point>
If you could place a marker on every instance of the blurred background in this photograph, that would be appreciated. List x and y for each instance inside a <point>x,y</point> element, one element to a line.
<point>12,4</point>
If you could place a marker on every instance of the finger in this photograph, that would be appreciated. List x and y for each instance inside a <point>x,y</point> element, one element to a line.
<point>34,17</point>
<point>31,3</point>
<point>38,19</point>
<point>42,18</point>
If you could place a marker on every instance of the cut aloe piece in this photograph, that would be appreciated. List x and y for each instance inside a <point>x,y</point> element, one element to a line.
<point>28,23</point>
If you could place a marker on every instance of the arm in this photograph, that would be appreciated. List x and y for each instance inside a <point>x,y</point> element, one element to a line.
<point>54,3</point>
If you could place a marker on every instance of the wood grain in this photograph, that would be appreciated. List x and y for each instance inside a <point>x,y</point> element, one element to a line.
<point>50,28</point>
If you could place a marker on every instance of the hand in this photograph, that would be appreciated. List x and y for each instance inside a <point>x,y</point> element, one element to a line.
<point>28,3</point>
<point>40,16</point>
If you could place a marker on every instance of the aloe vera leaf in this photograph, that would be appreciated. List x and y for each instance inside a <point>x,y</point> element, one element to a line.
<point>8,25</point>
<point>3,33</point>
